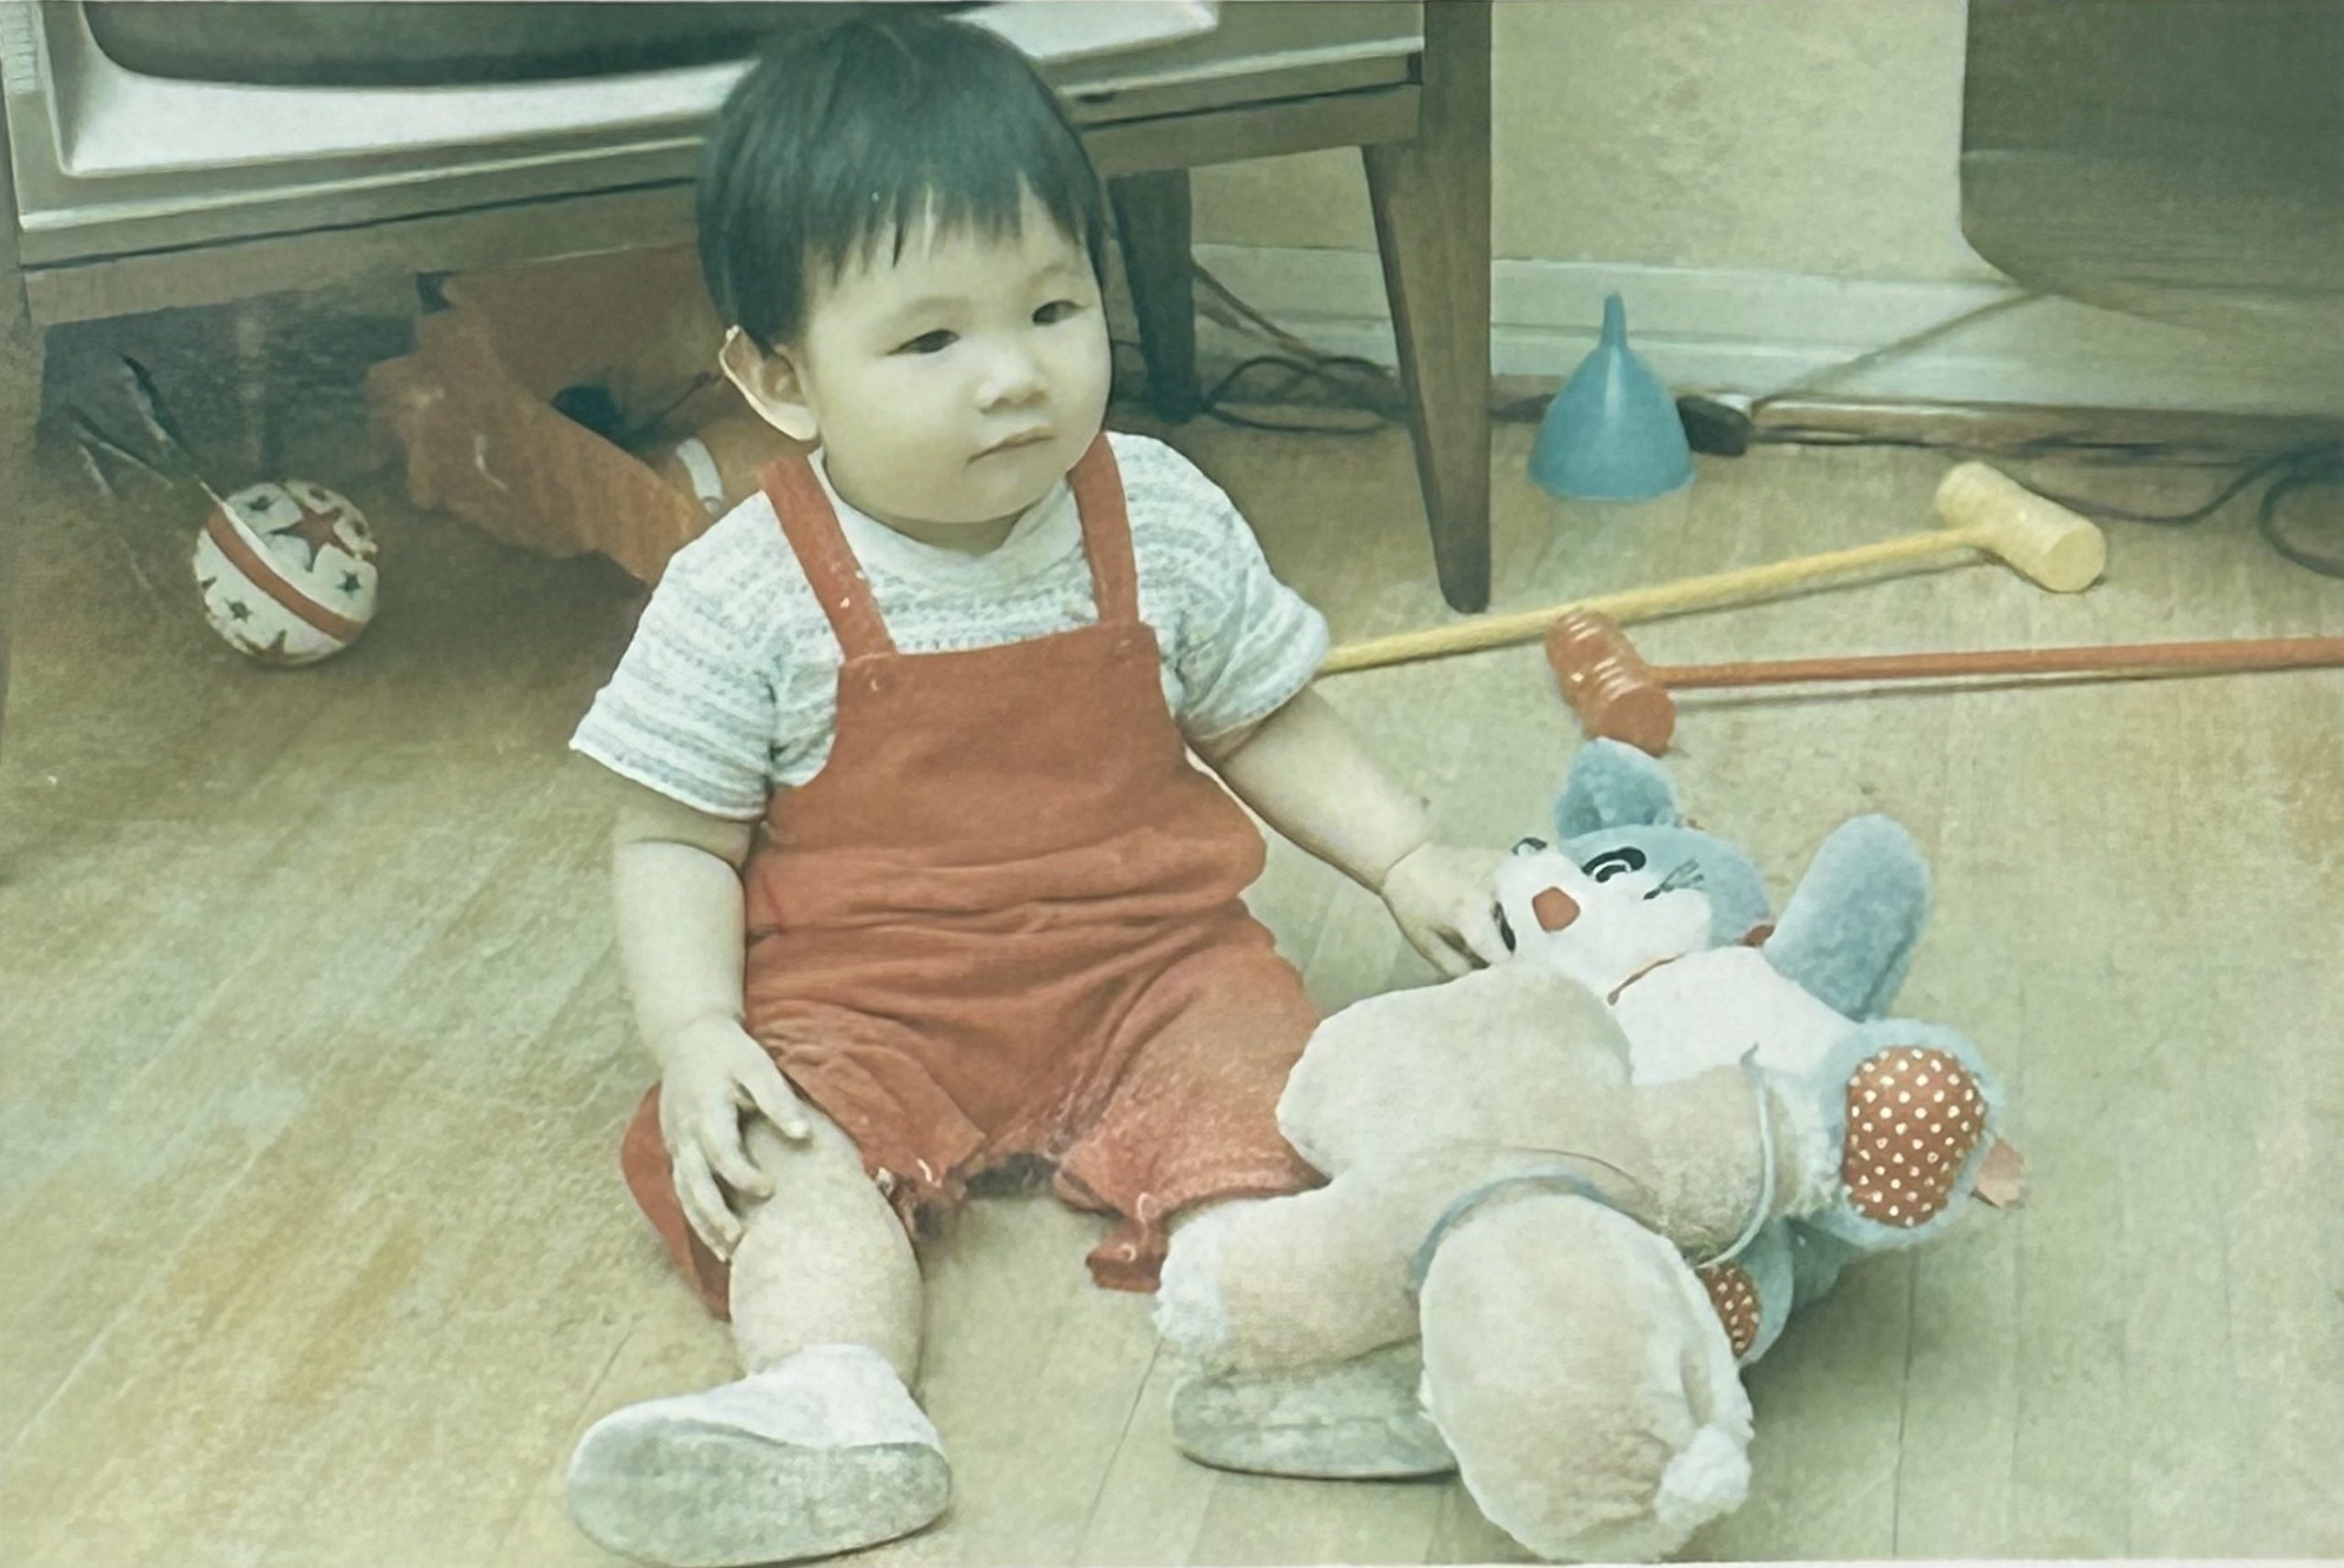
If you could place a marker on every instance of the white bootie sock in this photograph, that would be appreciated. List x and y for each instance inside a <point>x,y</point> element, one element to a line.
<point>822,1453</point>
<point>1355,1420</point>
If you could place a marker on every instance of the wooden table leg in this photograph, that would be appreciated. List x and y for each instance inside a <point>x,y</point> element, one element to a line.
<point>20,372</point>
<point>1152,213</point>
<point>1431,198</point>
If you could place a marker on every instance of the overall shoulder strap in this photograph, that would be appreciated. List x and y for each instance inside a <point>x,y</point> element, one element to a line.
<point>812,526</point>
<point>1098,485</point>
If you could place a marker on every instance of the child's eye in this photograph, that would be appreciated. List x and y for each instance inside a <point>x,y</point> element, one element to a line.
<point>934,342</point>
<point>1055,310</point>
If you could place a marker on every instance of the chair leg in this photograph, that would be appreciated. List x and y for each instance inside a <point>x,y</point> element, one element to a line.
<point>20,374</point>
<point>1431,198</point>
<point>1152,215</point>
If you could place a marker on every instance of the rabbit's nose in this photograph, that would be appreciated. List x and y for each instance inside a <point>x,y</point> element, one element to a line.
<point>1555,909</point>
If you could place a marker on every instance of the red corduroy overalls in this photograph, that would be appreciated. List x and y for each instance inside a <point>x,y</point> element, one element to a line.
<point>1005,919</point>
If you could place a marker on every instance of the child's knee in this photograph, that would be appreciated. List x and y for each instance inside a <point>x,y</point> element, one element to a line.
<point>819,1180</point>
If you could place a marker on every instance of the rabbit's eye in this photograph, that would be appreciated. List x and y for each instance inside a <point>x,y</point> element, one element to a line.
<point>1615,862</point>
<point>1529,846</point>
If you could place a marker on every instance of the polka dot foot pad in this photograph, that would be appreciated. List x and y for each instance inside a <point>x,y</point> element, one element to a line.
<point>1914,1117</point>
<point>1735,1295</point>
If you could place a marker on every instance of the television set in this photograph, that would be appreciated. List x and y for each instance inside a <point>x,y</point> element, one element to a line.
<point>153,131</point>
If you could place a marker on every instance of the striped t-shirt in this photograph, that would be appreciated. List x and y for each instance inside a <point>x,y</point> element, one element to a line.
<point>729,690</point>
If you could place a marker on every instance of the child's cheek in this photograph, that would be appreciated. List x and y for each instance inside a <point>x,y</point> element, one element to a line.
<point>910,391</point>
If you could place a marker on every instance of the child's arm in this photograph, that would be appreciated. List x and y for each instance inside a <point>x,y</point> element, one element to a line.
<point>1308,776</point>
<point>676,876</point>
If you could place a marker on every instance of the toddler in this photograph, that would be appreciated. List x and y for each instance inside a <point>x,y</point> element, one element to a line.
<point>915,876</point>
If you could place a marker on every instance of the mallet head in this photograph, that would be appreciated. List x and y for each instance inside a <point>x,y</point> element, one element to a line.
<point>2041,539</point>
<point>1614,693</point>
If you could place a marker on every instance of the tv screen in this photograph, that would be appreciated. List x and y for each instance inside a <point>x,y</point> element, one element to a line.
<point>388,43</point>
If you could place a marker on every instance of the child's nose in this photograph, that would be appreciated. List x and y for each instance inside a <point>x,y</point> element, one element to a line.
<point>1012,377</point>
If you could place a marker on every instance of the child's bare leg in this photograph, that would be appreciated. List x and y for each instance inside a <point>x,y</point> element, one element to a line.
<point>819,1449</point>
<point>823,1260</point>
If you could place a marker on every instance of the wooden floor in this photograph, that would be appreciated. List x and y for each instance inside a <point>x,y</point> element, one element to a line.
<point>315,1251</point>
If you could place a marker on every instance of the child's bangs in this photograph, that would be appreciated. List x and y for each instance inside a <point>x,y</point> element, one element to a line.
<point>927,187</point>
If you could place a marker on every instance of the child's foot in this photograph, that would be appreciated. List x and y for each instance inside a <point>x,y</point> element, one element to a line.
<point>822,1453</point>
<point>1357,1420</point>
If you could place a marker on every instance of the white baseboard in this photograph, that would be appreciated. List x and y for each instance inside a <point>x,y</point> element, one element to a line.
<point>1716,330</point>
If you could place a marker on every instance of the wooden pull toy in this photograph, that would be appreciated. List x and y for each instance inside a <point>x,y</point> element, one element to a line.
<point>1618,696</point>
<point>1983,514</point>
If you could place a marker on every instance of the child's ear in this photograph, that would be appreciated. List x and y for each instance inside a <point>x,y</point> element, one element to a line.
<point>770,382</point>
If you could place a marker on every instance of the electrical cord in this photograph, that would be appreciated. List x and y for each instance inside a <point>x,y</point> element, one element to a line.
<point>2329,474</point>
<point>2238,485</point>
<point>2288,471</point>
<point>1364,387</point>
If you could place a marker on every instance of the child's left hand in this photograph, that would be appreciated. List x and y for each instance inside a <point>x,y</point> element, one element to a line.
<point>1442,896</point>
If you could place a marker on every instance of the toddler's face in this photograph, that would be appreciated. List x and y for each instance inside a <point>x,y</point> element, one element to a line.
<point>951,387</point>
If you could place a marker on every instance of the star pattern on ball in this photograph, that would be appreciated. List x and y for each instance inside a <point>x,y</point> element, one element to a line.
<point>238,610</point>
<point>315,529</point>
<point>350,583</point>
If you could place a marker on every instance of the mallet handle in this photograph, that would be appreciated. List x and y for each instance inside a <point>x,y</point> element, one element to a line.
<point>1643,603</point>
<point>2207,657</point>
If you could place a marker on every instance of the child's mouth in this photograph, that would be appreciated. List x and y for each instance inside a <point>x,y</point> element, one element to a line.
<point>1015,444</point>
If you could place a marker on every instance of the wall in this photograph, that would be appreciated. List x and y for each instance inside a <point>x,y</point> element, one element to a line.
<point>1772,184</point>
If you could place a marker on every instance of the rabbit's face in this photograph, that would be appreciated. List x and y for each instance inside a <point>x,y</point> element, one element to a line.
<point>1602,922</point>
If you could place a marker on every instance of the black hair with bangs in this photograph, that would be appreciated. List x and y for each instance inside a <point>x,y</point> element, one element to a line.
<point>852,129</point>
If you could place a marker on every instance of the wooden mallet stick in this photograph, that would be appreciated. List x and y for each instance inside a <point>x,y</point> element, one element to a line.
<point>1619,696</point>
<point>1983,512</point>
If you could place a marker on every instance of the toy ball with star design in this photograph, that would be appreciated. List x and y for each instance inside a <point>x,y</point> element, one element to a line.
<point>287,571</point>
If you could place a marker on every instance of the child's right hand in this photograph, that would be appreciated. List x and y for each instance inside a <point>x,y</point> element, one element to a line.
<point>714,1072</point>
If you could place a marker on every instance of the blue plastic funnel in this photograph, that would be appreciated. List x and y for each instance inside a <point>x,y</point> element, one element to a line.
<point>1611,433</point>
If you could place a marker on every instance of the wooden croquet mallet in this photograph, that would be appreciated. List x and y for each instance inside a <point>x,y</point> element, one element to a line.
<point>1618,696</point>
<point>1984,513</point>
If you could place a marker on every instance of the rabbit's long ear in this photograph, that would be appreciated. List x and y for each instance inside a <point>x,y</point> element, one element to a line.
<point>1849,932</point>
<point>1615,786</point>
